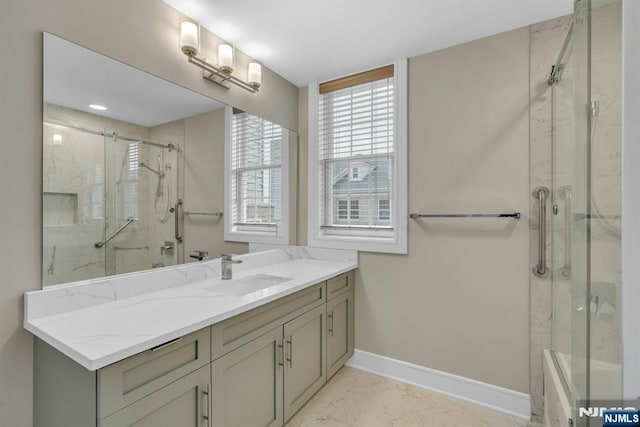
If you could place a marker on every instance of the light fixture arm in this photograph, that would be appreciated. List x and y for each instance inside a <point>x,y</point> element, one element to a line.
<point>218,76</point>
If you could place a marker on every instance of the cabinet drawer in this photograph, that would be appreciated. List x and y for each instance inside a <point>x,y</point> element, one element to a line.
<point>131,379</point>
<point>339,284</point>
<point>232,333</point>
<point>183,403</point>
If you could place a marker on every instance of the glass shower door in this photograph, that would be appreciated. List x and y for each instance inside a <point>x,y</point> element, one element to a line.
<point>73,204</point>
<point>143,193</point>
<point>570,219</point>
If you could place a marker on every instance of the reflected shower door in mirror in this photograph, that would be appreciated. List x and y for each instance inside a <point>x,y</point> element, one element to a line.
<point>113,169</point>
<point>108,195</point>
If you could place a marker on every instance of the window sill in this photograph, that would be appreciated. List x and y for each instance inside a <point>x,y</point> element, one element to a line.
<point>364,244</point>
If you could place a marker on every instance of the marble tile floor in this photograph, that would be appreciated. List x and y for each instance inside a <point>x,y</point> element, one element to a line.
<point>354,398</point>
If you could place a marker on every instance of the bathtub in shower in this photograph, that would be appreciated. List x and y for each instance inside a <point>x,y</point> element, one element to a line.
<point>605,379</point>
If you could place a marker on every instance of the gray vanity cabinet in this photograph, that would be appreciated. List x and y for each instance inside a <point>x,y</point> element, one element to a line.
<point>265,381</point>
<point>305,365</point>
<point>162,383</point>
<point>254,369</point>
<point>247,384</point>
<point>183,403</point>
<point>340,321</point>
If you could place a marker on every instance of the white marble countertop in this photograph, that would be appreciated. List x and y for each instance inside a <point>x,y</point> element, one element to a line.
<point>99,322</point>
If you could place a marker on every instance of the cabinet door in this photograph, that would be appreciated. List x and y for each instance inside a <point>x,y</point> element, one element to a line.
<point>247,384</point>
<point>340,331</point>
<point>305,365</point>
<point>183,403</point>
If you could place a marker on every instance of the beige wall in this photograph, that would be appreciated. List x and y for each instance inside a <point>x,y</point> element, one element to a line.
<point>143,33</point>
<point>204,186</point>
<point>459,301</point>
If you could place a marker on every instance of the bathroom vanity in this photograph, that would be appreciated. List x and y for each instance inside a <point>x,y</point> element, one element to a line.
<point>146,350</point>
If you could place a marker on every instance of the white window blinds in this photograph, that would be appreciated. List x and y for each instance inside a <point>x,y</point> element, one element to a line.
<point>256,173</point>
<point>356,153</point>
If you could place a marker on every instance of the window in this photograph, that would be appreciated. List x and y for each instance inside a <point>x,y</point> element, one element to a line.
<point>384,211</point>
<point>256,191</point>
<point>357,161</point>
<point>96,186</point>
<point>354,209</point>
<point>343,209</point>
<point>130,204</point>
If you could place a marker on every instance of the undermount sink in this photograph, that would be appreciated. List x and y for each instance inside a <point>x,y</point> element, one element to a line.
<point>247,285</point>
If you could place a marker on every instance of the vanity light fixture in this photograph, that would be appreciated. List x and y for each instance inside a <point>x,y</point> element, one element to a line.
<point>223,72</point>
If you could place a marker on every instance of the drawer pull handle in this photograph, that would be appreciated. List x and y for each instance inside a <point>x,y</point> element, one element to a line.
<point>290,358</point>
<point>167,344</point>
<point>331,323</point>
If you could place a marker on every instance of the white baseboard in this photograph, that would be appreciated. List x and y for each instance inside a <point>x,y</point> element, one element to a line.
<point>498,398</point>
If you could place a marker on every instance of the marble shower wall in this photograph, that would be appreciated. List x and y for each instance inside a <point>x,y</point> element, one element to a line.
<point>546,42</point>
<point>91,181</point>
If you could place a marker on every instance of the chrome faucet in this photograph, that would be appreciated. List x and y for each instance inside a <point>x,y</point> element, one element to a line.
<point>227,261</point>
<point>200,255</point>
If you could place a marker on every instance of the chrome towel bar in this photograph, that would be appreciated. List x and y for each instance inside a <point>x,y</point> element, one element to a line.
<point>203,213</point>
<point>515,215</point>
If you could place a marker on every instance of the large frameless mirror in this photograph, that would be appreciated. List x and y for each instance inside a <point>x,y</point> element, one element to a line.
<point>113,164</point>
<point>133,168</point>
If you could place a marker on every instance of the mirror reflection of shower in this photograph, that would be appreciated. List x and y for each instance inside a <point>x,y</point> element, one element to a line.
<point>162,204</point>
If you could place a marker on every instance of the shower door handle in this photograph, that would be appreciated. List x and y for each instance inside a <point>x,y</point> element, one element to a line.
<point>565,193</point>
<point>176,216</point>
<point>542,193</point>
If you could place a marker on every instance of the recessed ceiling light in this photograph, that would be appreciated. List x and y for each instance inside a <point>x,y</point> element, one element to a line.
<point>97,107</point>
<point>57,139</point>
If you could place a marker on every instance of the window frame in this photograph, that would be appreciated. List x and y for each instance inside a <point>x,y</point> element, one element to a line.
<point>258,233</point>
<point>364,240</point>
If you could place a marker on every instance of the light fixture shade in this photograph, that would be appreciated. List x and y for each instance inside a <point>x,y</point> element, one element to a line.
<point>254,74</point>
<point>225,58</point>
<point>189,37</point>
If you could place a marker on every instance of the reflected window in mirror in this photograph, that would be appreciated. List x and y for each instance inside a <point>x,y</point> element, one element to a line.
<point>257,171</point>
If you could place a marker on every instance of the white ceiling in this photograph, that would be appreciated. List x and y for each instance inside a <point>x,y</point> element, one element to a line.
<point>314,40</point>
<point>75,77</point>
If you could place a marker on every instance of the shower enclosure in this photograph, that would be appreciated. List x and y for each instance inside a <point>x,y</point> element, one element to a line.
<point>585,214</point>
<point>110,195</point>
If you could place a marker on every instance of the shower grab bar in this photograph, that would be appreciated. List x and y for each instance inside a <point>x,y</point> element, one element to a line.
<point>542,193</point>
<point>203,213</point>
<point>176,217</point>
<point>128,221</point>
<point>566,194</point>
<point>515,215</point>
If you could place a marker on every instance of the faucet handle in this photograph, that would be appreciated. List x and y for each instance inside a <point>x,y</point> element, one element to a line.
<point>200,255</point>
<point>229,257</point>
